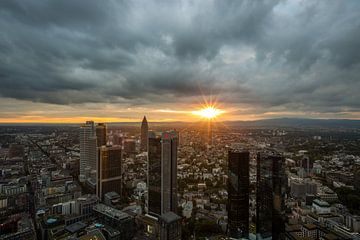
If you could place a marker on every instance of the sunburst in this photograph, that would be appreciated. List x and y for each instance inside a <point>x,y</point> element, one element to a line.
<point>208,112</point>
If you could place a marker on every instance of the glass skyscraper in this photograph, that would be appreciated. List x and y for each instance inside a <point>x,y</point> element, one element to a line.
<point>271,189</point>
<point>162,172</point>
<point>109,172</point>
<point>101,134</point>
<point>238,194</point>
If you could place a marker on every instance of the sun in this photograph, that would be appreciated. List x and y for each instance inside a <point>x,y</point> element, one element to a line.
<point>208,112</point>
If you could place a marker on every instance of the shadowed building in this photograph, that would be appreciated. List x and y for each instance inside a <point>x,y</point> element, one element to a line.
<point>144,135</point>
<point>101,134</point>
<point>109,171</point>
<point>238,194</point>
<point>270,195</point>
<point>87,150</point>
<point>162,172</point>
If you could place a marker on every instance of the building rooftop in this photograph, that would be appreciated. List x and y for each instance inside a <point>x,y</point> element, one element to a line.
<point>96,234</point>
<point>112,195</point>
<point>321,203</point>
<point>309,226</point>
<point>110,212</point>
<point>88,197</point>
<point>75,227</point>
<point>170,217</point>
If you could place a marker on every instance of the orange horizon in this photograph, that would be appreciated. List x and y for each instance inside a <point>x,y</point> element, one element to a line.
<point>80,120</point>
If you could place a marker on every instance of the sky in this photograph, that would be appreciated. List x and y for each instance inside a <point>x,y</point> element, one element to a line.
<point>71,61</point>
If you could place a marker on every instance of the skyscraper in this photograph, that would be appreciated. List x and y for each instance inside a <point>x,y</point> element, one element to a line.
<point>87,150</point>
<point>238,194</point>
<point>144,135</point>
<point>270,195</point>
<point>162,172</point>
<point>109,171</point>
<point>101,134</point>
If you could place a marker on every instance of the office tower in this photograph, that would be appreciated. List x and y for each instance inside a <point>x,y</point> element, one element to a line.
<point>109,171</point>
<point>170,226</point>
<point>144,135</point>
<point>101,134</point>
<point>307,165</point>
<point>129,145</point>
<point>238,194</point>
<point>117,224</point>
<point>87,150</point>
<point>162,172</point>
<point>270,195</point>
<point>357,179</point>
<point>164,227</point>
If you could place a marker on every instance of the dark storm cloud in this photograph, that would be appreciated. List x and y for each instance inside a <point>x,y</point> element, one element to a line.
<point>300,55</point>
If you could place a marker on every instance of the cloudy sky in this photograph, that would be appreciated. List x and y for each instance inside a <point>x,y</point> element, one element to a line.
<point>69,61</point>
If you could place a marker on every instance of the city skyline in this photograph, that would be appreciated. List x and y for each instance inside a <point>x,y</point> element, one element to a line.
<point>116,61</point>
<point>180,120</point>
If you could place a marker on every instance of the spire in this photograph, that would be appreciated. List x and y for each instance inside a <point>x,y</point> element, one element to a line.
<point>144,134</point>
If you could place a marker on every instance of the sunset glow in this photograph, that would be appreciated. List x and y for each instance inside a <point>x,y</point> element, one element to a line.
<point>209,112</point>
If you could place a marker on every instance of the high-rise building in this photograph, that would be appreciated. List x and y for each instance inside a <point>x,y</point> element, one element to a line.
<point>357,179</point>
<point>109,171</point>
<point>101,134</point>
<point>270,196</point>
<point>87,150</point>
<point>238,194</point>
<point>162,172</point>
<point>144,135</point>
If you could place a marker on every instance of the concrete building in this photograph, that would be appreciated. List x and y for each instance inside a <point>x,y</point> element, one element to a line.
<point>170,226</point>
<point>117,224</point>
<point>87,150</point>
<point>320,207</point>
<point>300,188</point>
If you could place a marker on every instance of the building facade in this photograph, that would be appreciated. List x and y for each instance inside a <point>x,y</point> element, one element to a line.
<point>101,134</point>
<point>87,150</point>
<point>270,196</point>
<point>144,135</point>
<point>238,194</point>
<point>109,173</point>
<point>162,172</point>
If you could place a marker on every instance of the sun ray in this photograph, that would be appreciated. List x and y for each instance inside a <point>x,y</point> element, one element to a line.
<point>208,112</point>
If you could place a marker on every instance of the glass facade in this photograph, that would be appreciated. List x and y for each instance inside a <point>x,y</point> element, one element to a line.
<point>271,189</point>
<point>238,194</point>
<point>109,171</point>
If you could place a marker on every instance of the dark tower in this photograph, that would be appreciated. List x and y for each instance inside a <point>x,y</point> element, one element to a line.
<point>109,171</point>
<point>144,135</point>
<point>162,173</point>
<point>270,196</point>
<point>154,174</point>
<point>101,134</point>
<point>238,194</point>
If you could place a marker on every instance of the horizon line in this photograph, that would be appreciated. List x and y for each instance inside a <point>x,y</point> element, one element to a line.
<point>178,121</point>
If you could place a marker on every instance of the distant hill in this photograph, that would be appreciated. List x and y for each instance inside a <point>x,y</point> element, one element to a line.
<point>299,122</point>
